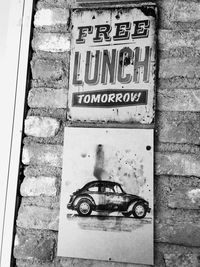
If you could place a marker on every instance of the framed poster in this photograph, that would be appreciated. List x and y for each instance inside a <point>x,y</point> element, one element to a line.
<point>112,66</point>
<point>106,210</point>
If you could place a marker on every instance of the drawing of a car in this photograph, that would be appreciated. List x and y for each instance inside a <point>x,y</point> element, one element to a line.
<point>108,196</point>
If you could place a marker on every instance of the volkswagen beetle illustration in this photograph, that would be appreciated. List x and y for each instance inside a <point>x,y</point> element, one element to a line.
<point>107,196</point>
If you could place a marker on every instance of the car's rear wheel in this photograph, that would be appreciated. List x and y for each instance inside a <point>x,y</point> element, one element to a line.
<point>139,210</point>
<point>84,207</point>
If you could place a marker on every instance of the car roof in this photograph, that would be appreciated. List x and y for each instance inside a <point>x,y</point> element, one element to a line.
<point>102,182</point>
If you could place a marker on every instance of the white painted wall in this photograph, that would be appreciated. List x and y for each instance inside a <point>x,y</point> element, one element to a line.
<point>15,20</point>
<point>6,109</point>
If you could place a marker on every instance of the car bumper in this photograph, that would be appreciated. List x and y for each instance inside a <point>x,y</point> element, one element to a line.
<point>70,206</point>
<point>148,209</point>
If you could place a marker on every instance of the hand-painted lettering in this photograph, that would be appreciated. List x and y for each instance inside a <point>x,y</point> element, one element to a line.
<point>125,57</point>
<point>110,98</point>
<point>83,33</point>
<point>107,67</point>
<point>122,31</point>
<point>102,31</point>
<point>88,67</point>
<point>141,29</point>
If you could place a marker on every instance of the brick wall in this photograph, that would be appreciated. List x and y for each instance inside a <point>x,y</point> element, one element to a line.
<point>177,160</point>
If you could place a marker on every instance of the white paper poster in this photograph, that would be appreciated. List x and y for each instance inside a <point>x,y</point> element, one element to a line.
<point>106,210</point>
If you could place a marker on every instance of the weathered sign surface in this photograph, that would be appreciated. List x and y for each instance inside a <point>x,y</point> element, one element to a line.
<point>112,67</point>
<point>106,209</point>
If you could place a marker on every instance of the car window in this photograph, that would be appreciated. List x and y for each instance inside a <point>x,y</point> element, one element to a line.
<point>117,189</point>
<point>93,188</point>
<point>109,190</point>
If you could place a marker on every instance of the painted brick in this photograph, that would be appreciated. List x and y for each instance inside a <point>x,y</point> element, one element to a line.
<point>177,148</point>
<point>52,202</point>
<point>179,83</point>
<point>55,3</point>
<point>31,171</point>
<point>179,14</point>
<point>34,263</point>
<point>93,263</point>
<point>186,11</point>
<point>55,140</point>
<point>42,154</point>
<point>166,255</point>
<point>179,127</point>
<point>185,198</point>
<point>47,98</point>
<point>176,256</point>
<point>178,100</point>
<point>177,192</point>
<point>170,39</point>
<point>51,17</point>
<point>72,262</point>
<point>59,114</point>
<point>41,126</point>
<point>34,245</point>
<point>36,186</point>
<point>159,259</point>
<point>177,164</point>
<point>173,233</point>
<point>183,67</point>
<point>169,11</point>
<point>170,224</point>
<point>51,42</point>
<point>174,259</point>
<point>50,83</point>
<point>33,217</point>
<point>165,13</point>
<point>45,69</point>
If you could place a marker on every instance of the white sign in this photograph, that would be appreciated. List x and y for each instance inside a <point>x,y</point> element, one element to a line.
<point>106,210</point>
<point>112,67</point>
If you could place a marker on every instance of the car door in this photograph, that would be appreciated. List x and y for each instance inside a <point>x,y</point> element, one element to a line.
<point>93,192</point>
<point>119,198</point>
<point>102,198</point>
<point>113,200</point>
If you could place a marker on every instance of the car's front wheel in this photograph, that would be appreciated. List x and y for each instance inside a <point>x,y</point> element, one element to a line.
<point>139,210</point>
<point>84,207</point>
